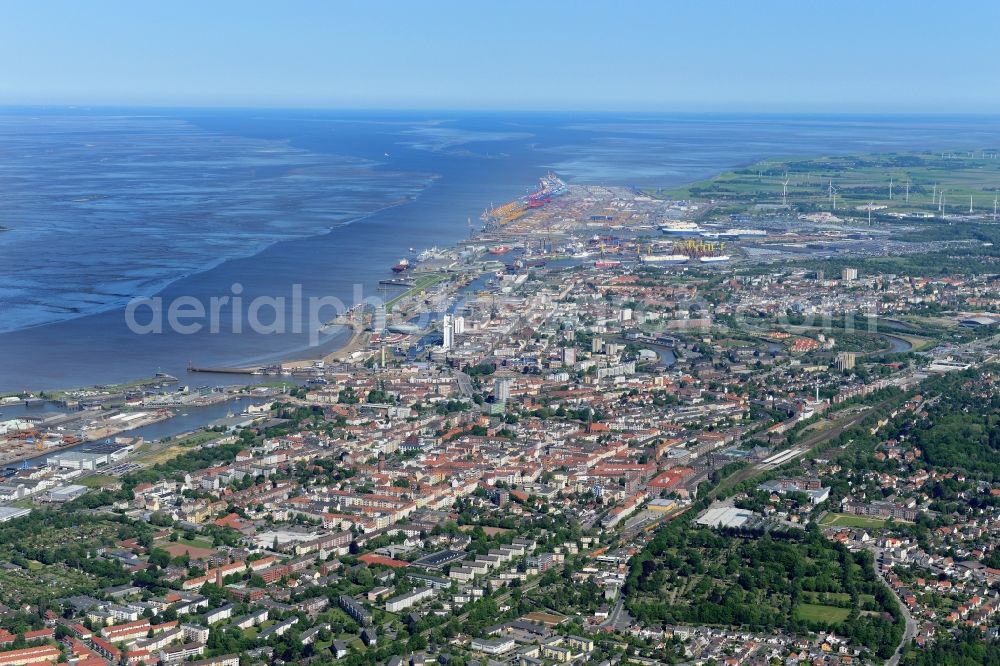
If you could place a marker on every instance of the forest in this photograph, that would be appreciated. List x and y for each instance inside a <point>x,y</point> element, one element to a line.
<point>961,430</point>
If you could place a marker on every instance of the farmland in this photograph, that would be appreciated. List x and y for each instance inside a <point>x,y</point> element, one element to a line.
<point>921,184</point>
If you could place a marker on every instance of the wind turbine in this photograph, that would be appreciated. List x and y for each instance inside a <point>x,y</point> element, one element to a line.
<point>784,192</point>
<point>871,204</point>
<point>994,208</point>
<point>970,204</point>
<point>890,189</point>
<point>907,191</point>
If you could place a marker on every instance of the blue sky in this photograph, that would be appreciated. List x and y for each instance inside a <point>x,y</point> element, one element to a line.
<point>550,54</point>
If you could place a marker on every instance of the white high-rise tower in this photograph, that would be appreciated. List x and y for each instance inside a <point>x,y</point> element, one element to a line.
<point>448,329</point>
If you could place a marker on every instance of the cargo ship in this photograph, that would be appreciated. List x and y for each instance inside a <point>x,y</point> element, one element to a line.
<point>402,266</point>
<point>714,259</point>
<point>549,186</point>
<point>429,253</point>
<point>499,249</point>
<point>607,263</point>
<point>680,228</point>
<point>663,258</point>
<point>734,234</point>
<point>526,263</point>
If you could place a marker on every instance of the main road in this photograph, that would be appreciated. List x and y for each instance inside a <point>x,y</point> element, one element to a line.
<point>911,625</point>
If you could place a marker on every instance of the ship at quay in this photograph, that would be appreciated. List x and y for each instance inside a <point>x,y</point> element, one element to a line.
<point>549,187</point>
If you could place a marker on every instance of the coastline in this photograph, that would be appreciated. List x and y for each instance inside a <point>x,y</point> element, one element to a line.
<point>290,353</point>
<point>94,348</point>
<point>353,344</point>
<point>160,287</point>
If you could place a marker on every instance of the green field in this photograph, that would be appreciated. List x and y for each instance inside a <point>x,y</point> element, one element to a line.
<point>820,613</point>
<point>197,438</point>
<point>847,520</point>
<point>155,454</point>
<point>858,180</point>
<point>98,481</point>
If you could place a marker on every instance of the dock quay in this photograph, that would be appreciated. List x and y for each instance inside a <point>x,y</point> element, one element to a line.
<point>226,371</point>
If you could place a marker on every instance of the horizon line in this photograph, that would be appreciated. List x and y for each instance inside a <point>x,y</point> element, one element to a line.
<point>473,110</point>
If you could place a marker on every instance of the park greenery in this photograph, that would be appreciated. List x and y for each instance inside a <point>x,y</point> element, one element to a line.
<point>794,580</point>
